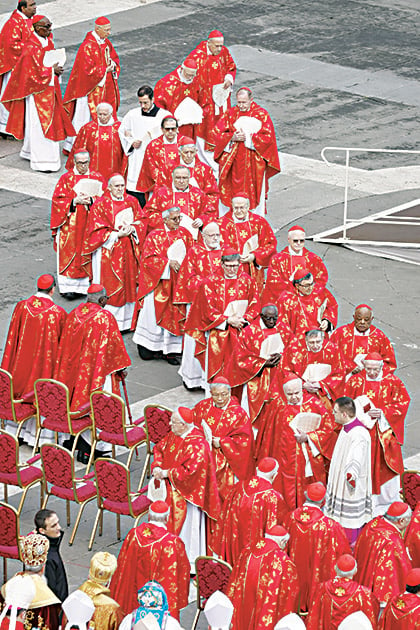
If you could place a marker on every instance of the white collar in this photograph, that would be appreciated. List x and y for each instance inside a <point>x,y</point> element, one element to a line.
<point>361,334</point>
<point>43,40</point>
<point>76,172</point>
<point>180,191</point>
<point>235,220</point>
<point>293,253</point>
<point>378,378</point>
<point>158,524</point>
<point>222,408</point>
<point>185,164</point>
<point>98,39</point>
<point>165,141</point>
<point>115,198</point>
<point>108,124</point>
<point>25,17</point>
<point>43,295</point>
<point>187,432</point>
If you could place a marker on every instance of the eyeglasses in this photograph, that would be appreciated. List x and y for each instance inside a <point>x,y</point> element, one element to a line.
<point>298,240</point>
<point>170,128</point>
<point>232,266</point>
<point>307,285</point>
<point>80,163</point>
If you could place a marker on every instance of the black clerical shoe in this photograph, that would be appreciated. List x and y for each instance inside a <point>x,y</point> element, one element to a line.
<point>173,359</point>
<point>82,457</point>
<point>70,296</point>
<point>148,355</point>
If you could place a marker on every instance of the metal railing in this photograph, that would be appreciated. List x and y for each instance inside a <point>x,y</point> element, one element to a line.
<point>347,151</point>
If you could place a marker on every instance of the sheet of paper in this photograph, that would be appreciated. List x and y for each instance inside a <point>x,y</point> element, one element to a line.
<point>124,217</point>
<point>89,187</point>
<point>321,311</point>
<point>188,112</point>
<point>236,307</point>
<point>220,94</point>
<point>363,405</point>
<point>248,124</point>
<point>250,245</point>
<point>273,344</point>
<point>52,57</point>
<point>316,372</point>
<point>156,490</point>
<point>177,251</point>
<point>306,422</point>
<point>186,222</point>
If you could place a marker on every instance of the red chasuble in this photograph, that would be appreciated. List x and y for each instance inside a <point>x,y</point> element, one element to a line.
<point>193,202</point>
<point>301,312</point>
<point>236,234</point>
<point>170,91</point>
<point>72,221</point>
<point>32,342</point>
<point>202,177</point>
<point>246,366</point>
<point>412,537</point>
<point>263,587</point>
<point>150,552</point>
<point>198,264</point>
<point>153,262</point>
<point>212,70</point>
<point>295,474</point>
<point>159,158</point>
<point>391,396</point>
<point>207,312</point>
<point>316,542</point>
<point>88,70</point>
<point>240,168</point>
<point>104,146</point>
<point>235,457</point>
<point>191,476</point>
<point>91,347</point>
<point>283,266</point>
<point>401,613</point>
<point>382,560</point>
<point>250,508</point>
<point>31,77</point>
<point>120,263</point>
<point>13,36</point>
<point>335,599</point>
<point>351,345</point>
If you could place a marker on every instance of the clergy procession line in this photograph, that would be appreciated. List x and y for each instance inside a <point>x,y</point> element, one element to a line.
<point>287,473</point>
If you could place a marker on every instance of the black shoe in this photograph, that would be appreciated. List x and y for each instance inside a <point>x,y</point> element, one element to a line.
<point>68,444</point>
<point>82,457</point>
<point>70,296</point>
<point>174,359</point>
<point>107,454</point>
<point>192,389</point>
<point>148,355</point>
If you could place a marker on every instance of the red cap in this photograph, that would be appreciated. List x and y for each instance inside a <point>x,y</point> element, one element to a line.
<point>96,288</point>
<point>229,251</point>
<point>102,21</point>
<point>183,140</point>
<point>398,509</point>
<point>38,18</point>
<point>413,577</point>
<point>242,194</point>
<point>373,356</point>
<point>316,492</point>
<point>215,34</point>
<point>186,414</point>
<point>45,281</point>
<point>159,507</point>
<point>346,563</point>
<point>291,377</point>
<point>245,88</point>
<point>267,465</point>
<point>277,530</point>
<point>301,273</point>
<point>220,380</point>
<point>190,63</point>
<point>363,306</point>
<point>296,228</point>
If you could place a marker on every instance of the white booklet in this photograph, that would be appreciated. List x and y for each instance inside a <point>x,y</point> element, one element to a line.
<point>236,307</point>
<point>321,310</point>
<point>220,94</point>
<point>316,372</point>
<point>186,222</point>
<point>306,422</point>
<point>248,124</point>
<point>358,359</point>
<point>363,406</point>
<point>273,344</point>
<point>124,217</point>
<point>250,245</point>
<point>188,112</point>
<point>89,187</point>
<point>156,490</point>
<point>177,251</point>
<point>208,434</point>
<point>51,57</point>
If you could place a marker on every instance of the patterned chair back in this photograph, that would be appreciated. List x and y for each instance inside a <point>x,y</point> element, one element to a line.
<point>108,412</point>
<point>6,396</point>
<point>57,465</point>
<point>113,481</point>
<point>157,422</point>
<point>52,402</point>
<point>9,454</point>
<point>212,575</point>
<point>9,532</point>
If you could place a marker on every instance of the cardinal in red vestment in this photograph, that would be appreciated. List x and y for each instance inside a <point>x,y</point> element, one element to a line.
<point>94,76</point>
<point>302,443</point>
<point>381,555</point>
<point>359,338</point>
<point>228,429</point>
<point>114,238</point>
<point>160,156</point>
<point>101,138</point>
<point>403,611</point>
<point>224,304</point>
<point>412,537</point>
<point>264,584</point>
<point>389,402</point>
<point>246,151</point>
<point>69,218</point>
<point>151,552</point>
<point>91,349</point>
<point>251,235</point>
<point>291,259</point>
<point>250,508</point>
<point>183,460</point>
<point>215,70</point>
<point>315,544</point>
<point>31,347</point>
<point>341,596</point>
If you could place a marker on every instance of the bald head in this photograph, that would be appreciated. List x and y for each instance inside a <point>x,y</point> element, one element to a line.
<point>293,390</point>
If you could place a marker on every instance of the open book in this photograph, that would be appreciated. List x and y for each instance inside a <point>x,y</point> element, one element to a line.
<point>124,217</point>
<point>52,57</point>
<point>186,222</point>
<point>316,372</point>
<point>188,112</point>
<point>248,124</point>
<point>236,307</point>
<point>250,245</point>
<point>306,422</point>
<point>363,405</point>
<point>177,251</point>
<point>273,344</point>
<point>89,187</point>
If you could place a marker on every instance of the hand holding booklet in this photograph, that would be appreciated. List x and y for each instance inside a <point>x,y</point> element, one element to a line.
<point>316,372</point>
<point>250,245</point>
<point>177,251</point>
<point>88,187</point>
<point>236,308</point>
<point>273,344</point>
<point>305,422</point>
<point>51,57</point>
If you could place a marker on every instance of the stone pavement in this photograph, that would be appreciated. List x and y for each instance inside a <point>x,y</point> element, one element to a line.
<point>329,74</point>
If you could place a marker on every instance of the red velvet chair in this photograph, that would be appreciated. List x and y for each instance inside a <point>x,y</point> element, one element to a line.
<point>109,424</point>
<point>9,535</point>
<point>61,482</point>
<point>157,426</point>
<point>410,484</point>
<point>113,485</point>
<point>13,410</point>
<point>212,575</point>
<point>14,474</point>
<point>53,411</point>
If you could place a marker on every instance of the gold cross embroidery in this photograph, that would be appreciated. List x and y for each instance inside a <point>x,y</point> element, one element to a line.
<point>85,309</point>
<point>36,303</point>
<point>105,136</point>
<point>340,591</point>
<point>231,291</point>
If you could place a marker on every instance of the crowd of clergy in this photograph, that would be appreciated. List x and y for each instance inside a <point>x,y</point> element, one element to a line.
<point>288,470</point>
